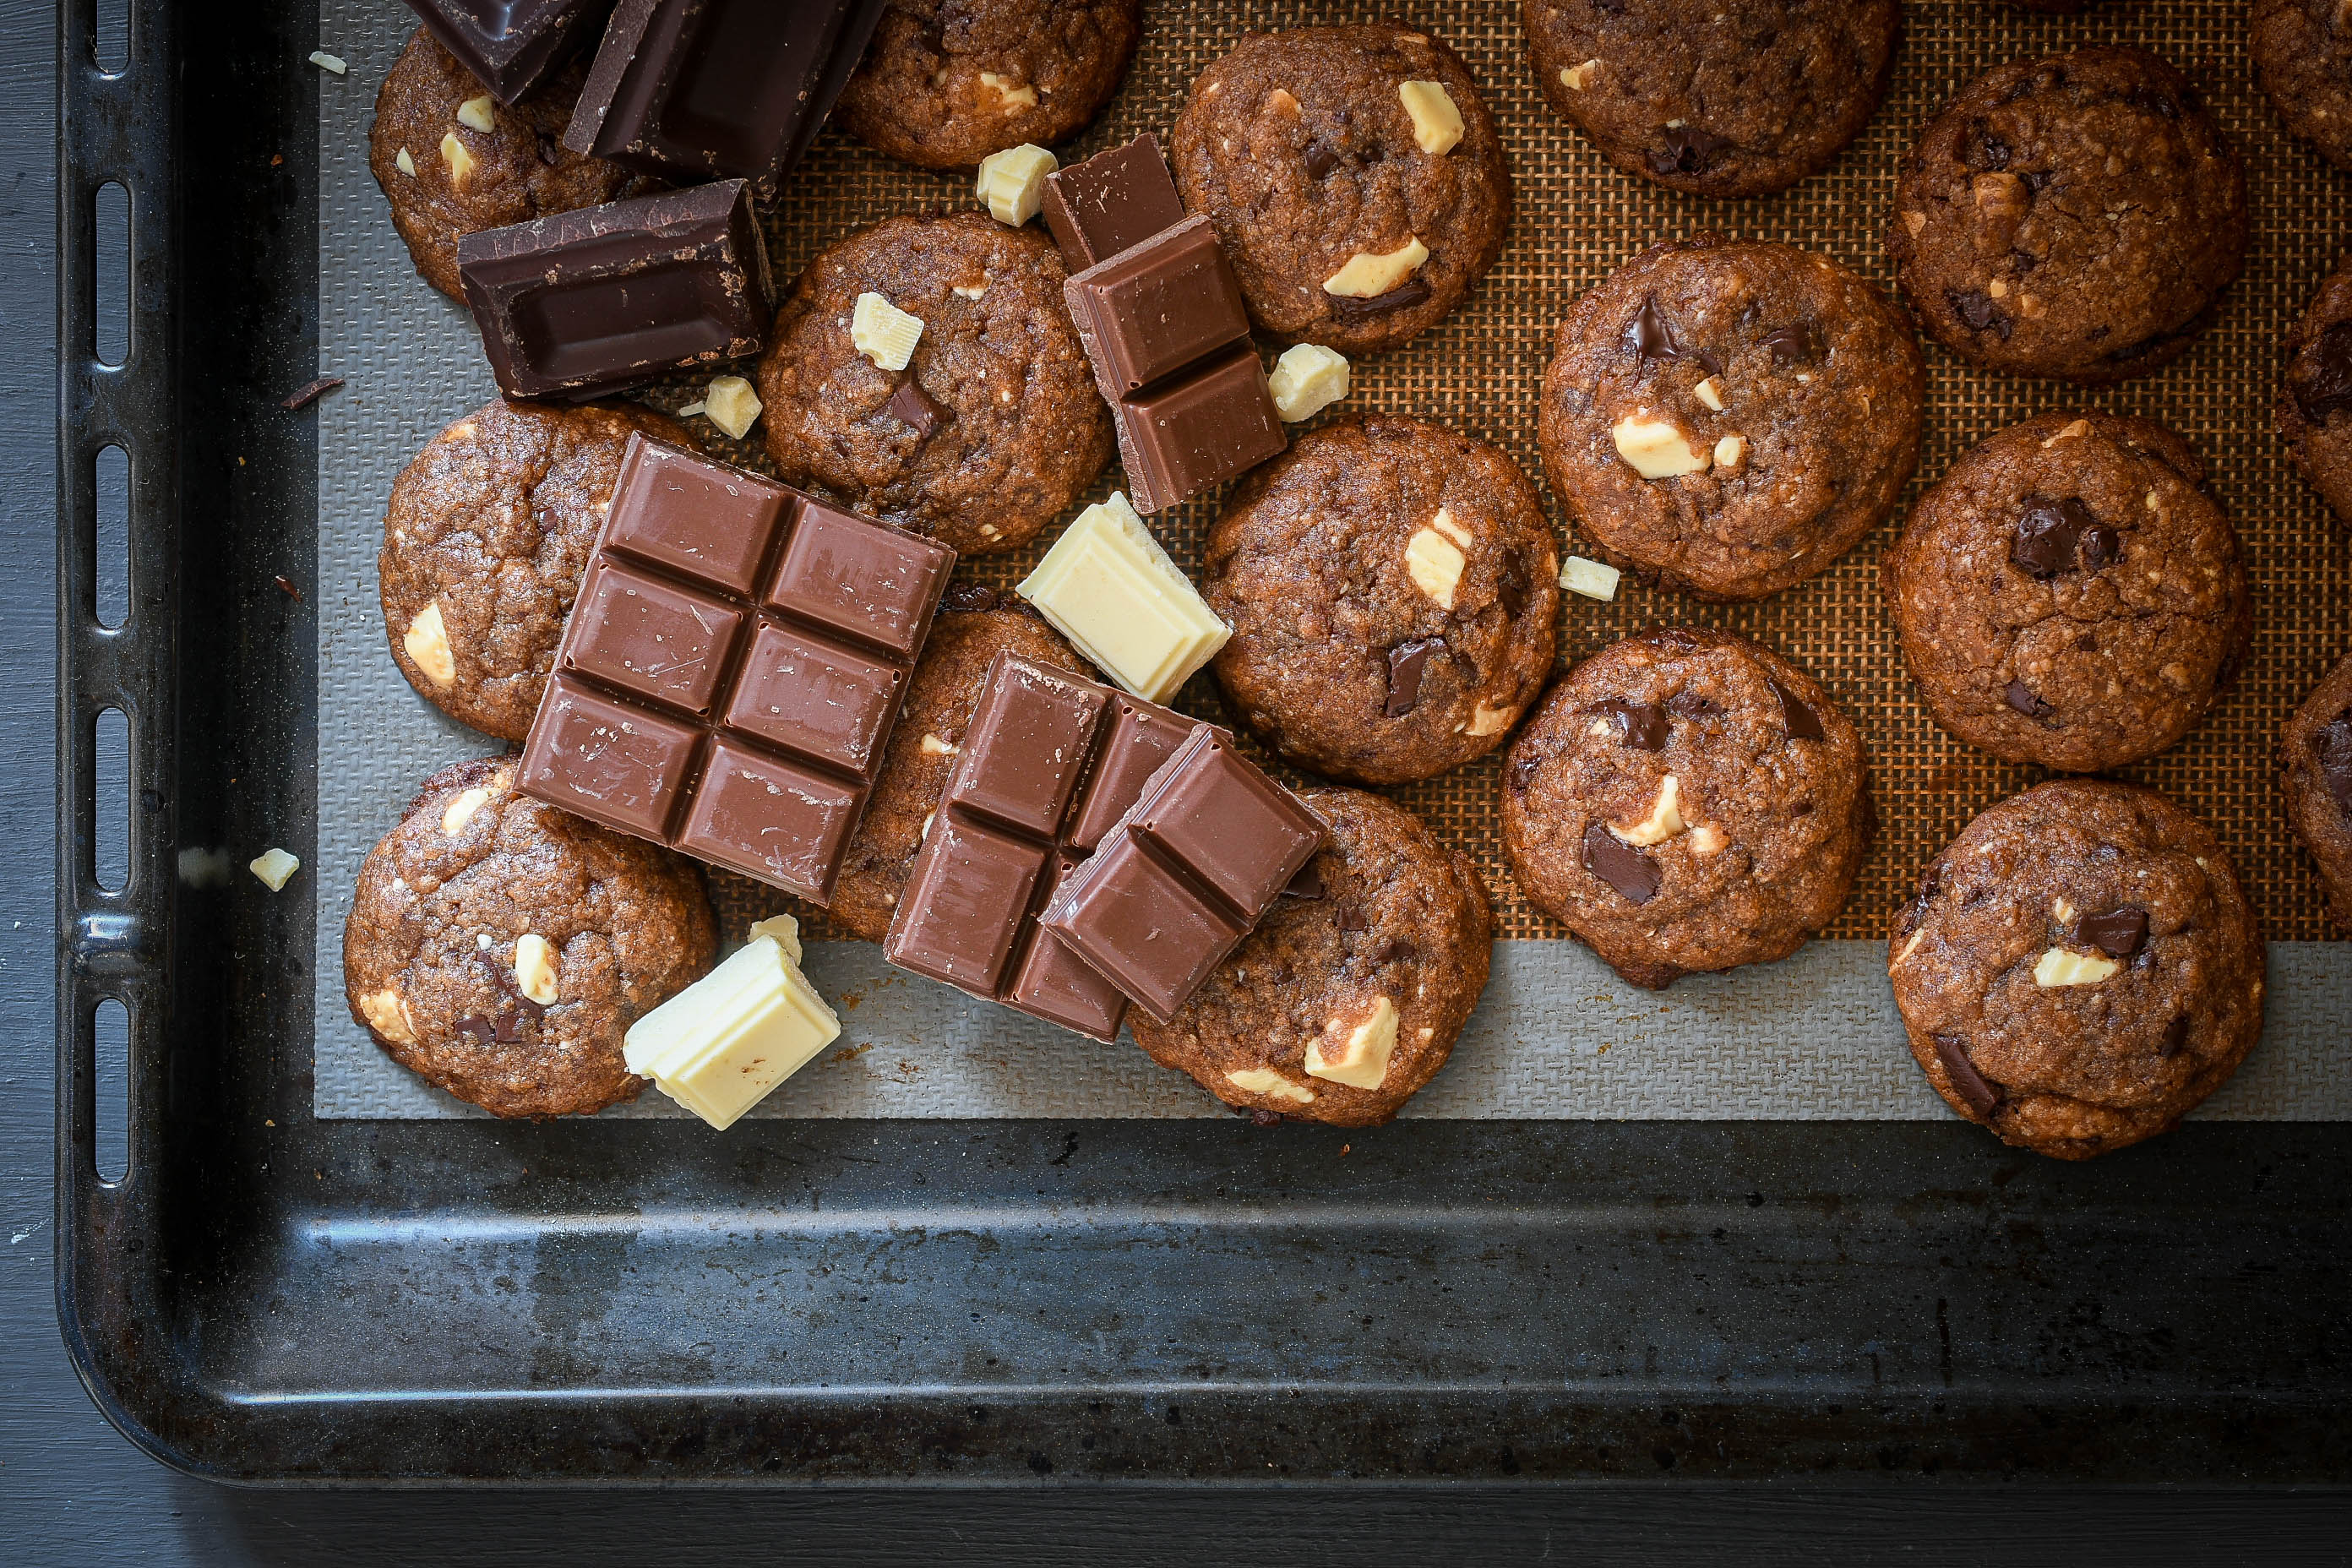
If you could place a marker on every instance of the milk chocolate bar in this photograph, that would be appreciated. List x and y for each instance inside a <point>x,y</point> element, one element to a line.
<point>1157,307</point>
<point>1197,429</point>
<point>510,46</point>
<point>698,89</point>
<point>732,668</point>
<point>1113,200</point>
<point>582,302</point>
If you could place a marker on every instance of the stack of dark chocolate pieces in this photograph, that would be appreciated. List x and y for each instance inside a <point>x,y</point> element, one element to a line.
<point>511,46</point>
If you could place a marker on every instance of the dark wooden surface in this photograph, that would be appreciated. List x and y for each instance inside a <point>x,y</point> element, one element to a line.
<point>71,1491</point>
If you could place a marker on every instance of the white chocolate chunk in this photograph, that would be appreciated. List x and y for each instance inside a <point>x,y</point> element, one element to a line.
<point>1485,720</point>
<point>1359,1050</point>
<point>1707,839</point>
<point>2064,966</point>
<point>1108,586</point>
<point>534,967</point>
<point>1710,391</point>
<point>2064,911</point>
<point>1307,379</point>
<point>1655,447</point>
<point>1283,104</point>
<point>1436,123</point>
<point>461,810</point>
<point>274,866</point>
<point>387,1013</point>
<point>783,930</point>
<point>732,405</point>
<point>1593,579</point>
<point>1012,183</point>
<point>335,65</point>
<point>1665,819</point>
<point>1731,451</point>
<point>974,291</point>
<point>1010,94</point>
<point>719,1045</point>
<point>2071,430</point>
<point>1433,561</point>
<point>1915,221</point>
<point>461,161</point>
<point>1265,1081</point>
<point>427,642</point>
<point>1910,947</point>
<point>479,113</point>
<point>1368,276</point>
<point>934,747</point>
<point>1576,79</point>
<point>883,332</point>
<point>405,163</point>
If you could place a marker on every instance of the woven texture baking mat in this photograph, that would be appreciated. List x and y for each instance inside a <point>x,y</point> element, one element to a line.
<point>1557,1036</point>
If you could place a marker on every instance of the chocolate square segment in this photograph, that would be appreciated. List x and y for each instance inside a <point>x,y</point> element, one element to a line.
<point>825,701</point>
<point>1141,921</point>
<point>1111,201</point>
<point>705,520</point>
<point>964,903</point>
<point>1142,737</point>
<point>1242,836</point>
<point>652,638</point>
<point>772,819</point>
<point>1157,307</point>
<point>509,45</point>
<point>878,586</point>
<point>1196,430</point>
<point>1029,740</point>
<point>1055,983</point>
<point>614,763</point>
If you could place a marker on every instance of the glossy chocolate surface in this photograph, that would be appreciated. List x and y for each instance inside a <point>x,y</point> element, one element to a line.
<point>510,46</point>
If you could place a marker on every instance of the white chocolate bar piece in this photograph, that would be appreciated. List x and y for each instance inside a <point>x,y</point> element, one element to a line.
<point>1110,588</point>
<point>718,1047</point>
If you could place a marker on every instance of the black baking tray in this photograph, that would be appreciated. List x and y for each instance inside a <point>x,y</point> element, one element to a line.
<point>268,1297</point>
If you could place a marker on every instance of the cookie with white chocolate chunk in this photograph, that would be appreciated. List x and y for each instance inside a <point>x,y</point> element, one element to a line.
<point>1354,177</point>
<point>500,949</point>
<point>1686,801</point>
<point>486,535</point>
<point>1728,418</point>
<point>2079,968</point>
<point>1349,996</point>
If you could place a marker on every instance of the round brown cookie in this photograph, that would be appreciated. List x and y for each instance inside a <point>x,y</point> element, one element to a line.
<point>2075,215</point>
<point>973,626</point>
<point>1722,98</point>
<point>1728,418</point>
<point>1686,801</point>
<point>2079,968</point>
<point>486,536</point>
<point>947,82</point>
<point>1303,147</point>
<point>2315,401</point>
<point>1345,1002</point>
<point>461,179</point>
<point>993,429</point>
<point>2316,752</point>
<point>2070,594</point>
<point>2302,58</point>
<point>1391,586</point>
<point>500,949</point>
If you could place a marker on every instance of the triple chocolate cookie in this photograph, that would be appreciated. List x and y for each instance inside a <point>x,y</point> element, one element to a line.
<point>2070,594</point>
<point>2075,215</point>
<point>500,949</point>
<point>454,160</point>
<point>1721,97</point>
<point>972,626</point>
<point>1391,586</point>
<point>1686,801</point>
<point>1728,418</point>
<point>2079,968</point>
<point>2316,752</point>
<point>1354,177</point>
<point>1349,996</point>
<point>2314,402</point>
<point>2302,58</point>
<point>485,538</point>
<point>994,427</point>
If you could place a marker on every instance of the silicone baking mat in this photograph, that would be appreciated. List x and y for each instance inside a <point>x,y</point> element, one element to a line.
<point>1557,1036</point>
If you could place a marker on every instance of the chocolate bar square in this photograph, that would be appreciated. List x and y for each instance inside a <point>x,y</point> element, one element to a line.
<point>1113,200</point>
<point>510,46</point>
<point>1156,307</point>
<point>1196,430</point>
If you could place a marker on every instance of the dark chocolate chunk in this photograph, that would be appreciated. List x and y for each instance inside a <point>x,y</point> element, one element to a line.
<point>1800,343</point>
<point>1307,885</point>
<point>1983,1097</point>
<point>2054,536</point>
<point>1197,429</point>
<point>1631,870</point>
<point>1406,662</point>
<point>2119,933</point>
<point>1159,305</point>
<point>510,46</point>
<point>2101,547</point>
<point>478,1027</point>
<point>550,149</point>
<point>2321,375</point>
<point>1512,588</point>
<point>1803,723</point>
<point>1523,772</point>
<point>2332,746</point>
<point>1113,200</point>
<point>913,408</point>
<point>1320,159</point>
<point>2020,697</point>
<point>1406,295</point>
<point>1686,150</point>
<point>1641,725</point>
<point>2087,643</point>
<point>1986,150</point>
<point>311,393</point>
<point>1977,313</point>
<point>2176,1036</point>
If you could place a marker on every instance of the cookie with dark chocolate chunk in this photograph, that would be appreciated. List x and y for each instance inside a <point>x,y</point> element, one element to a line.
<point>1354,175</point>
<point>2302,58</point>
<point>944,83</point>
<point>2079,968</point>
<point>500,949</point>
<point>1349,996</point>
<point>994,427</point>
<point>2315,754</point>
<point>485,538</point>
<point>1391,586</point>
<point>2315,401</point>
<point>1728,418</point>
<point>1686,801</point>
<point>454,160</point>
<point>1720,98</point>
<point>2070,594</point>
<point>2075,215</point>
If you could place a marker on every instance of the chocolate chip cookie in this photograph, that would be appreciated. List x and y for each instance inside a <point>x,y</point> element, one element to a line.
<point>993,427</point>
<point>2079,968</point>
<point>2075,215</point>
<point>1686,801</point>
<point>500,949</point>
<point>1728,418</point>
<point>1721,97</point>
<point>2315,401</point>
<point>973,626</point>
<point>454,160</point>
<point>485,539</point>
<point>2070,594</point>
<point>1348,997</point>
<point>2302,58</point>
<point>947,82</point>
<point>1354,175</point>
<point>1391,586</point>
<point>2316,755</point>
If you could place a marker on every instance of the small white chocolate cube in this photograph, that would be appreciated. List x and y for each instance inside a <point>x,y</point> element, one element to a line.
<point>883,332</point>
<point>1108,586</point>
<point>732,405</point>
<point>1307,379</point>
<point>1593,579</point>
<point>1012,183</point>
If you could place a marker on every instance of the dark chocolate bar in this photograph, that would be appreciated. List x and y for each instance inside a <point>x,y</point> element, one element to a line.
<point>1112,201</point>
<point>695,89</point>
<point>732,670</point>
<point>510,46</point>
<point>582,302</point>
<point>1196,429</point>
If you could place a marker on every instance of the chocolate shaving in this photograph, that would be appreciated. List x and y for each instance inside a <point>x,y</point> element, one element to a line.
<point>311,393</point>
<point>549,150</point>
<point>286,587</point>
<point>1686,150</point>
<point>913,408</point>
<point>1523,770</point>
<point>505,980</point>
<point>2321,375</point>
<point>1641,725</point>
<point>1983,1097</point>
<point>1406,662</point>
<point>510,1026</point>
<point>2020,697</point>
<point>1803,723</point>
<point>2332,746</point>
<point>2119,933</point>
<point>479,1027</point>
<point>1409,292</point>
<point>1632,871</point>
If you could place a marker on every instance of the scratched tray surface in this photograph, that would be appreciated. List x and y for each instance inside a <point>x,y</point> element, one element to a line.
<point>1556,1035</point>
